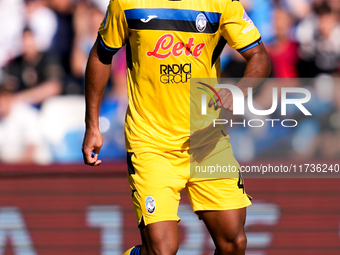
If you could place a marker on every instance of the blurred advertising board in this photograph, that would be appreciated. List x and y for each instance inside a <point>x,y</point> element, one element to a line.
<point>75,209</point>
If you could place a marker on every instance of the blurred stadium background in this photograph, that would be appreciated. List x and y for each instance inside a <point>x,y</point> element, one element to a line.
<point>50,203</point>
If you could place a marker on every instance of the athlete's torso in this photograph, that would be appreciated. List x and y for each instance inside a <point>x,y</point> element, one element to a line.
<point>168,44</point>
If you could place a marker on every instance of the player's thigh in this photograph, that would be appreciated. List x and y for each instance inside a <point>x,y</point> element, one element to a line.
<point>225,226</point>
<point>160,238</point>
<point>155,186</point>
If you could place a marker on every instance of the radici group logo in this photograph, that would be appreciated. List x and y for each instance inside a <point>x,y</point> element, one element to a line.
<point>302,96</point>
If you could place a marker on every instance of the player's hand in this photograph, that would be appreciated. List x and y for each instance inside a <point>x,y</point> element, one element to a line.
<point>226,98</point>
<point>93,141</point>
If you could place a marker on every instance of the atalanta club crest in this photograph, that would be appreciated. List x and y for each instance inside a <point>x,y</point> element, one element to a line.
<point>150,204</point>
<point>201,22</point>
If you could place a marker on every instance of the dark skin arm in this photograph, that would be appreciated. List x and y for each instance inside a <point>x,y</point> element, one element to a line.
<point>96,77</point>
<point>258,67</point>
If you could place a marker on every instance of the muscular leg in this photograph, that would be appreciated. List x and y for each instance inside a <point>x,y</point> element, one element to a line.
<point>159,238</point>
<point>227,230</point>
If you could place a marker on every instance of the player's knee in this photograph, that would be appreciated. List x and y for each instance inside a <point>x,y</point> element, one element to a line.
<point>240,243</point>
<point>163,248</point>
<point>235,246</point>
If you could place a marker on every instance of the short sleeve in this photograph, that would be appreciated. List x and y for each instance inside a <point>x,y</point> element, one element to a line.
<point>113,30</point>
<point>237,28</point>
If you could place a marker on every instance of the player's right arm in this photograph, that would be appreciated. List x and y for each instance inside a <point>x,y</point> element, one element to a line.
<point>96,77</point>
<point>112,35</point>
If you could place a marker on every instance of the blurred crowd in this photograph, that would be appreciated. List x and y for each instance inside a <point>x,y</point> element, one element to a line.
<point>44,45</point>
<point>302,39</point>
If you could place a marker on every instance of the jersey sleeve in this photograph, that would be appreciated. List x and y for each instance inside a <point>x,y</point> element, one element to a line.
<point>113,31</point>
<point>237,28</point>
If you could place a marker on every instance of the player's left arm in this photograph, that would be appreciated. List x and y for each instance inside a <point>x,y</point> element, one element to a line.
<point>241,34</point>
<point>257,70</point>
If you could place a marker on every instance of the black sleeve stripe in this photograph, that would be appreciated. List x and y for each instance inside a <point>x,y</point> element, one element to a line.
<point>104,52</point>
<point>250,46</point>
<point>114,50</point>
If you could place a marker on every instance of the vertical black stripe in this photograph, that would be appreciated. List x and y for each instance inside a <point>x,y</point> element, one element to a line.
<point>218,50</point>
<point>131,169</point>
<point>128,55</point>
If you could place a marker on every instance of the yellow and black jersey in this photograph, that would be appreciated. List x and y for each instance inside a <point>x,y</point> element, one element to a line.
<point>168,43</point>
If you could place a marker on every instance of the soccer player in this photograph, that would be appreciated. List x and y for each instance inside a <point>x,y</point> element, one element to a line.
<point>169,42</point>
